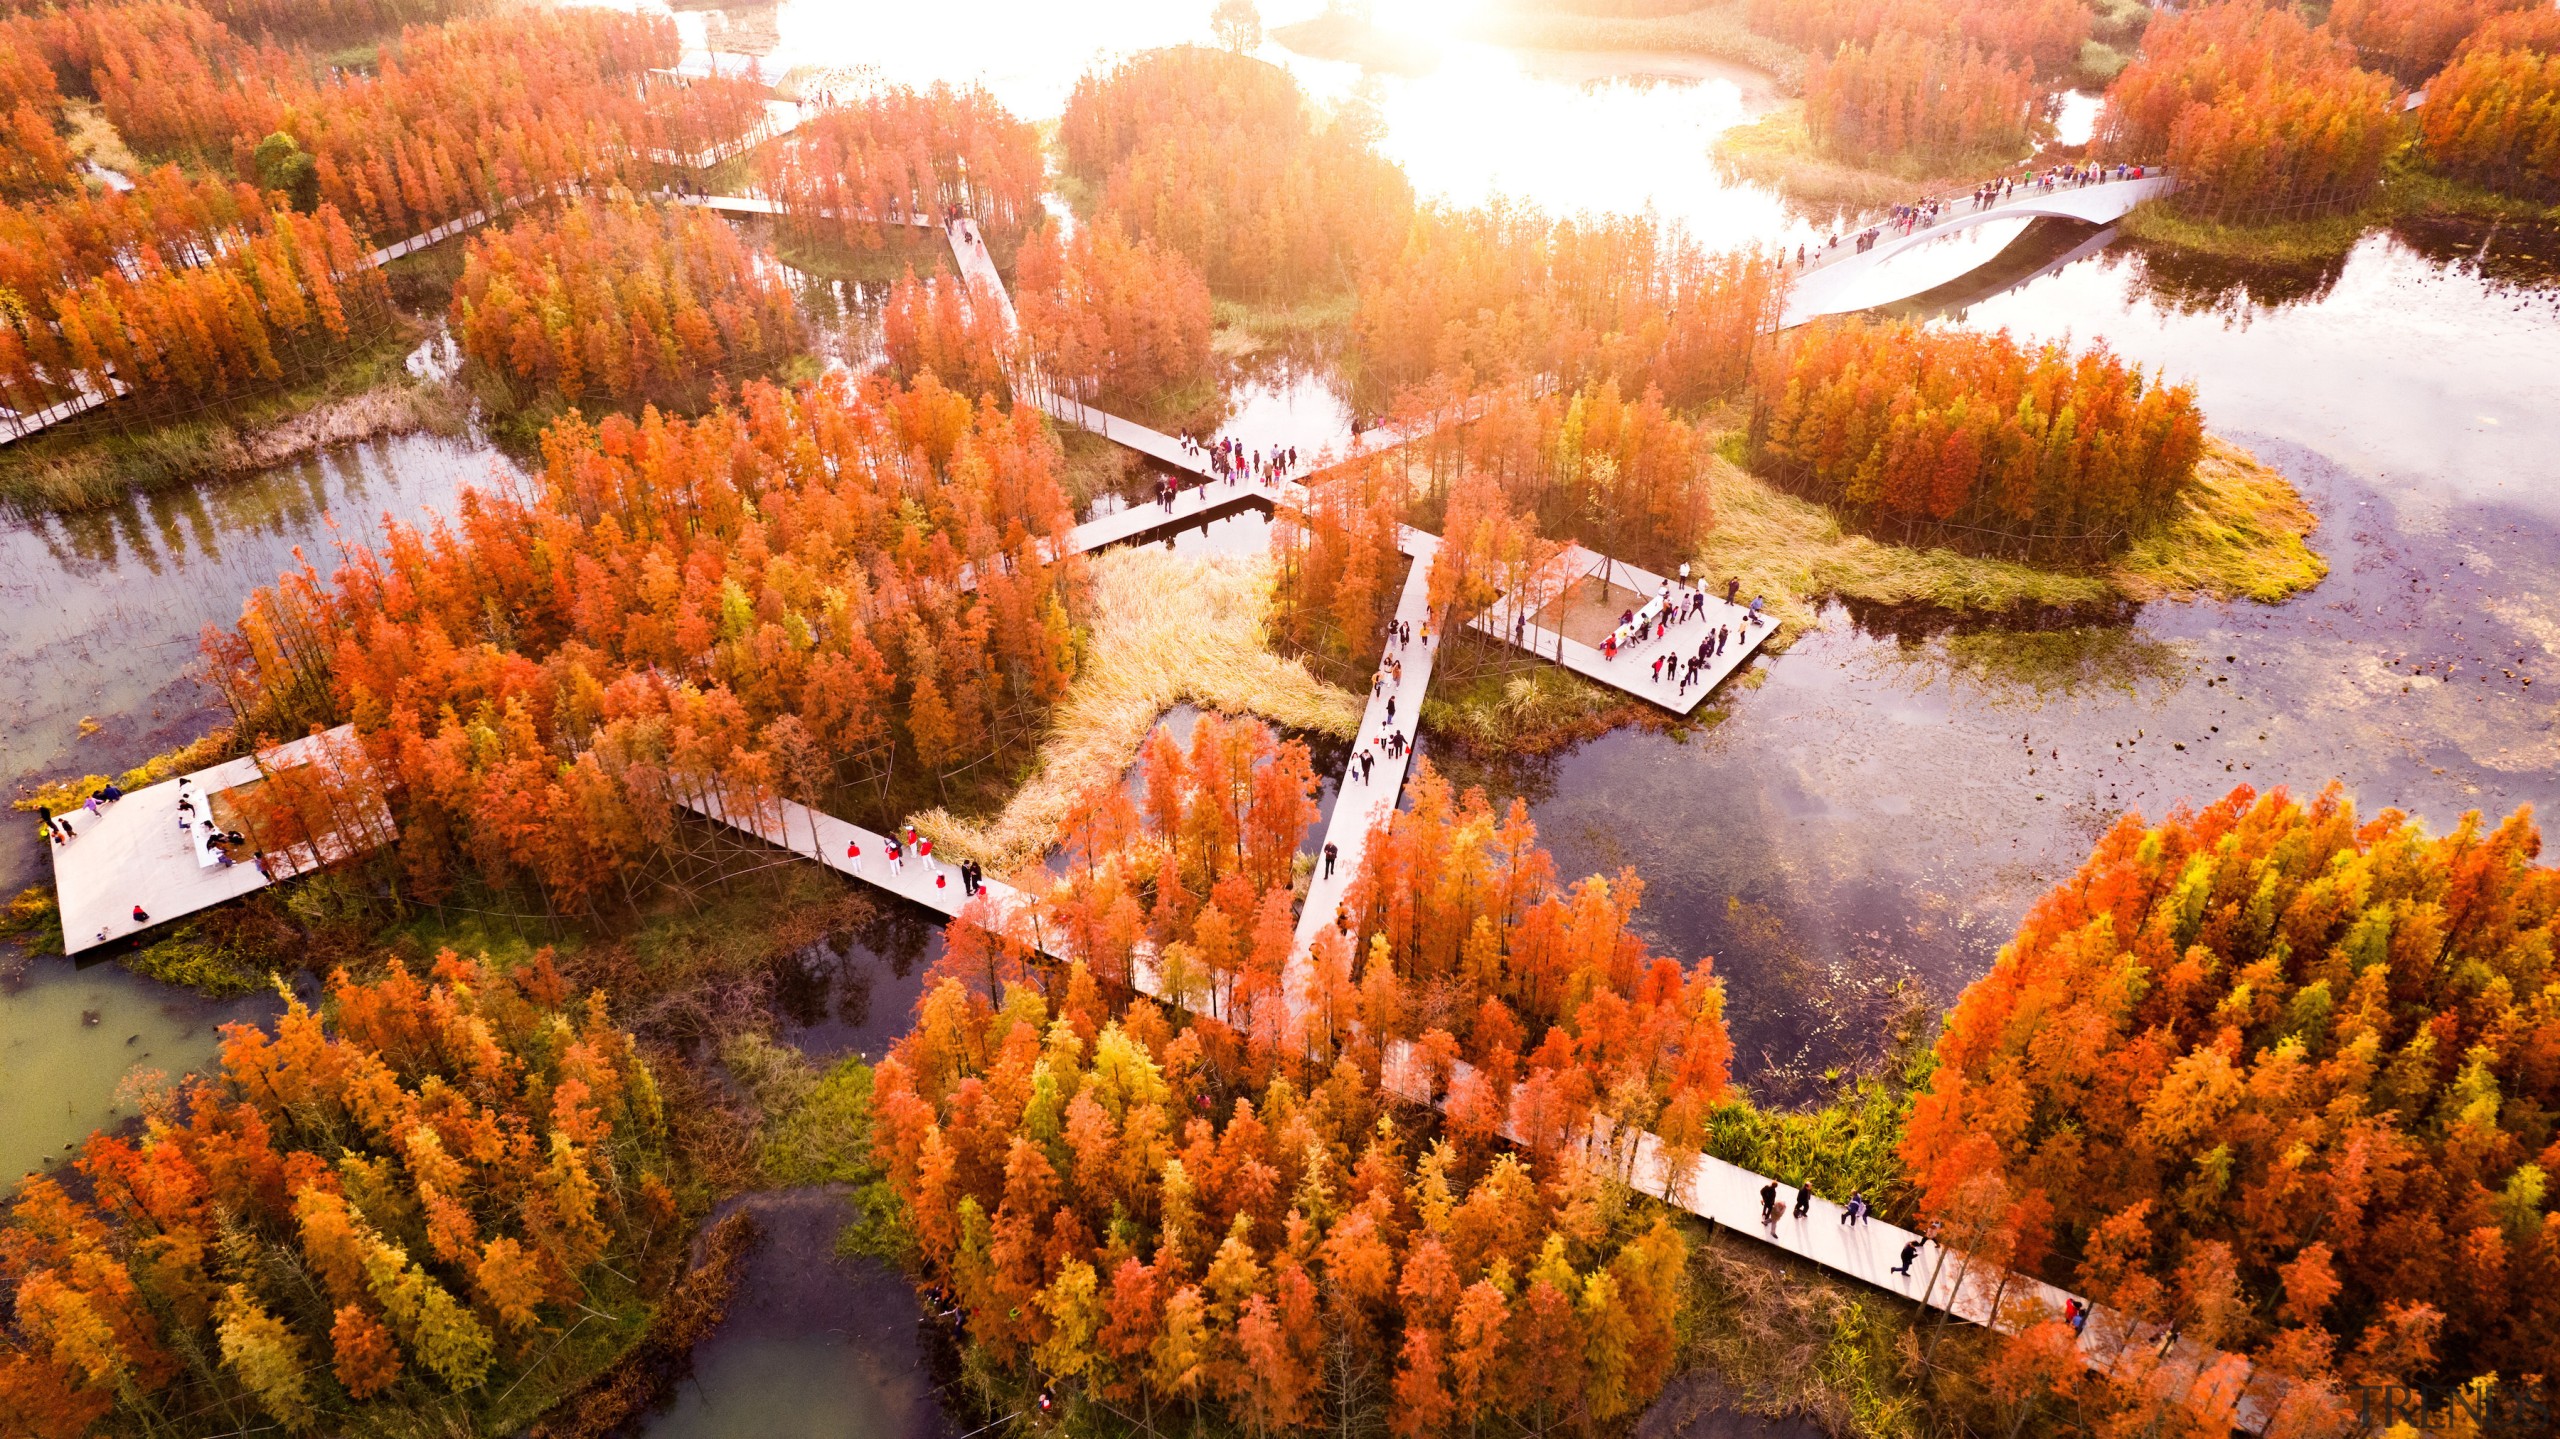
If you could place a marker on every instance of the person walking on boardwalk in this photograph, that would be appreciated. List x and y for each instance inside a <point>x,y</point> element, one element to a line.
<point>1391,709</point>
<point>897,858</point>
<point>1910,1252</point>
<point>1804,1200</point>
<point>853,855</point>
<point>1657,669</point>
<point>1769,1207</point>
<point>1330,850</point>
<point>1849,1211</point>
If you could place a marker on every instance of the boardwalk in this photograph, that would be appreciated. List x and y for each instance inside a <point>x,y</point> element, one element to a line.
<point>133,852</point>
<point>1830,283</point>
<point>1632,671</point>
<point>1361,805</point>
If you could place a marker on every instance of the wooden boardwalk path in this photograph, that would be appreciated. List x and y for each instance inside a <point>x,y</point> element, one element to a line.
<point>1828,284</point>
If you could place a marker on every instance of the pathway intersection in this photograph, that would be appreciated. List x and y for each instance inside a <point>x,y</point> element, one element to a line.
<point>1710,1188</point>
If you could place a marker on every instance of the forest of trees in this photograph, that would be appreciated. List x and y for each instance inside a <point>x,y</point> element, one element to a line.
<point>394,1200</point>
<point>2413,38</point>
<point>2047,34</point>
<point>1221,158</point>
<point>454,118</point>
<point>1160,1207</point>
<point>621,303</point>
<point>335,18</point>
<point>897,156</point>
<point>776,599</point>
<point>1503,293</point>
<point>2262,117</point>
<point>1943,101</point>
<point>1111,319</point>
<point>181,291</point>
<point>1974,439</point>
<point>2280,1076</point>
<point>2493,115</point>
<point>942,326</point>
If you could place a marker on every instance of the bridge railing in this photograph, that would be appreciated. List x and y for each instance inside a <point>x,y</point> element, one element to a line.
<point>1966,206</point>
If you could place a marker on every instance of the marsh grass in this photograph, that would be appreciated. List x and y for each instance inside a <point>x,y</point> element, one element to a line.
<point>1488,699</point>
<point>1167,629</point>
<point>1778,151</point>
<point>2242,532</point>
<point>97,457</point>
<point>95,138</point>
<point>902,247</point>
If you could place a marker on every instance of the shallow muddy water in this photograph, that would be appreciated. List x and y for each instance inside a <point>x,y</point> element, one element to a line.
<point>814,1345</point>
<point>80,1050</point>
<point>106,606</point>
<point>1882,807</point>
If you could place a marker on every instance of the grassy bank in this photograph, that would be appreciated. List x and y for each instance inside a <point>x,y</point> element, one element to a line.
<point>1490,700</point>
<point>1715,31</point>
<point>97,457</point>
<point>1281,322</point>
<point>1167,628</point>
<point>2410,189</point>
<point>2241,533</point>
<point>1776,150</point>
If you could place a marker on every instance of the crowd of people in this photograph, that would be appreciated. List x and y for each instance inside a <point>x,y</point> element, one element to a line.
<point>1921,214</point>
<point>1677,605</point>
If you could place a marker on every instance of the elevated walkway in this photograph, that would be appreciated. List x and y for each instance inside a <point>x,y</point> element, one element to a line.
<point>1832,283</point>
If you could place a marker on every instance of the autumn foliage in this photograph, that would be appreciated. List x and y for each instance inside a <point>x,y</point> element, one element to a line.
<point>1338,559</point>
<point>115,289</point>
<point>621,303</point>
<point>900,156</point>
<point>403,1194</point>
<point>2045,33</point>
<point>1111,319</point>
<point>334,17</point>
<point>2285,1078</point>
<point>1219,1203</point>
<point>2413,38</point>
<point>1218,156</point>
<point>769,601</point>
<point>1901,95</point>
<point>456,118</point>
<point>1472,949</point>
<point>1973,437</point>
<point>2260,116</point>
<point>943,326</point>
<point>1504,292</point>
<point>2493,115</point>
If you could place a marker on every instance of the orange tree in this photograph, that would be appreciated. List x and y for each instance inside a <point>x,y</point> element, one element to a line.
<point>1901,95</point>
<point>2261,116</point>
<point>2413,38</point>
<point>621,303</point>
<point>1230,1202</point>
<point>2046,33</point>
<point>2283,1077</point>
<point>398,1202</point>
<point>900,156</point>
<point>2493,115</point>
<point>1974,438</point>
<point>771,601</point>
<point>1218,156</point>
<point>1112,319</point>
<point>1504,292</point>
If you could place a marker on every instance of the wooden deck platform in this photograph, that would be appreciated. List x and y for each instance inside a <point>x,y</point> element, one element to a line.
<point>133,852</point>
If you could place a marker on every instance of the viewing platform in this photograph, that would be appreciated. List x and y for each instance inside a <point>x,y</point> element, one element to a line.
<point>133,852</point>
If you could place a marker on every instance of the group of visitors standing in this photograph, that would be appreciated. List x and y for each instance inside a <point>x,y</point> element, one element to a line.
<point>973,876</point>
<point>1678,606</point>
<point>1229,460</point>
<point>1920,214</point>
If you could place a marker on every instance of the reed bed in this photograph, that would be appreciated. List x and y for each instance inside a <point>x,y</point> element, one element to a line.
<point>1167,628</point>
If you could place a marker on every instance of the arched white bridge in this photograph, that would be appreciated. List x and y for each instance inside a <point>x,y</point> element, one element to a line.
<point>1830,284</point>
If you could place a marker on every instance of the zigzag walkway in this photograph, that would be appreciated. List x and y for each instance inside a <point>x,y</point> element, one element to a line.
<point>1710,1188</point>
